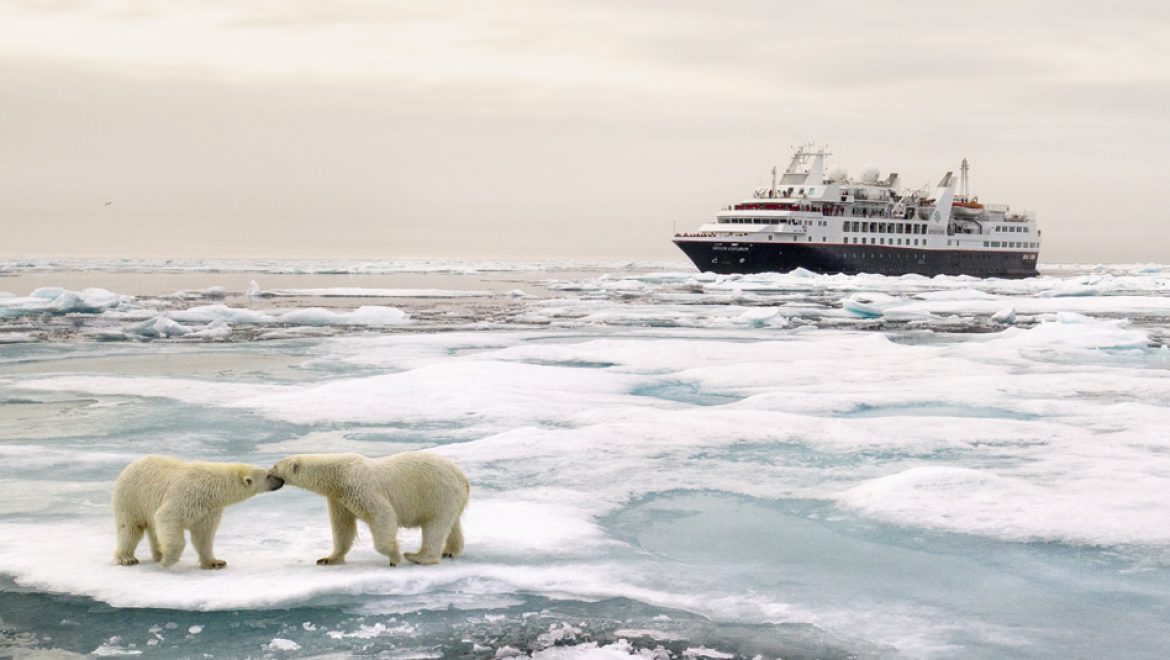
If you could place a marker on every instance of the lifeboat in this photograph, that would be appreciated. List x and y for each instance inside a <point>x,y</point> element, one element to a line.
<point>966,209</point>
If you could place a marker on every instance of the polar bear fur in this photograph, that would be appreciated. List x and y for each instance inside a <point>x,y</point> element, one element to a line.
<point>411,489</point>
<point>163,496</point>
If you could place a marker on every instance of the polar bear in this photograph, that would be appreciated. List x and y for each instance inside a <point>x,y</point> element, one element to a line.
<point>163,496</point>
<point>411,489</point>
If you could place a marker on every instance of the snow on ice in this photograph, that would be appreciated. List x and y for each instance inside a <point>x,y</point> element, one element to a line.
<point>926,466</point>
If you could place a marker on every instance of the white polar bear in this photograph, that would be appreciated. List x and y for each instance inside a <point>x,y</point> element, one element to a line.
<point>163,496</point>
<point>411,489</point>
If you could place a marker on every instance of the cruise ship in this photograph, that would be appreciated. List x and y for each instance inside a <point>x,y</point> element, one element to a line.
<point>827,222</point>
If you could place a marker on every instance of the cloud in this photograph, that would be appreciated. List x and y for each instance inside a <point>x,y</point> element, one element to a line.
<point>517,126</point>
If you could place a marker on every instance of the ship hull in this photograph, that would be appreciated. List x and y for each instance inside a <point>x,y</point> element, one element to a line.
<point>727,257</point>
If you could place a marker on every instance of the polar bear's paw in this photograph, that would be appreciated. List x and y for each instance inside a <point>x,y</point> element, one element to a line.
<point>331,561</point>
<point>214,564</point>
<point>420,558</point>
<point>127,561</point>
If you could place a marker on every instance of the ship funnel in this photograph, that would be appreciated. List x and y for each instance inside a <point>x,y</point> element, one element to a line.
<point>945,197</point>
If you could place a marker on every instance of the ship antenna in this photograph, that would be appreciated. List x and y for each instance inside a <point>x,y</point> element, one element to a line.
<point>773,195</point>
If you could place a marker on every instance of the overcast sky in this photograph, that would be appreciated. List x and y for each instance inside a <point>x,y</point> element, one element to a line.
<point>546,129</point>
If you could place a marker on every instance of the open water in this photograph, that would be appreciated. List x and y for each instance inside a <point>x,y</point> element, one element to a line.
<point>664,464</point>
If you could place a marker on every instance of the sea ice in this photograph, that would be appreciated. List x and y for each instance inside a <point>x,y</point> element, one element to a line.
<point>371,315</point>
<point>795,471</point>
<point>220,312</point>
<point>281,644</point>
<point>360,292</point>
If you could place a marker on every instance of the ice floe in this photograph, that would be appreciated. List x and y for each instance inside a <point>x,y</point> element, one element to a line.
<point>845,455</point>
<point>363,292</point>
<point>366,315</point>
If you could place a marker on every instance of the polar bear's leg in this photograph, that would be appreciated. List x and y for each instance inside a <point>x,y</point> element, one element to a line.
<point>155,548</point>
<point>170,537</point>
<point>344,529</point>
<point>384,528</point>
<point>434,537</point>
<point>454,545</point>
<point>203,536</point>
<point>129,535</point>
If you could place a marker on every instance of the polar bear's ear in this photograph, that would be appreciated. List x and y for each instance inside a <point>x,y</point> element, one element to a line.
<point>294,466</point>
<point>248,480</point>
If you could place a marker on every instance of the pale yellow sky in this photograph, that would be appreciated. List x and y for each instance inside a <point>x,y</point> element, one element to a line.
<point>556,129</point>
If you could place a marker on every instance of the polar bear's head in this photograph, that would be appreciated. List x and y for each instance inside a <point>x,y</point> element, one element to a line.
<point>254,480</point>
<point>320,473</point>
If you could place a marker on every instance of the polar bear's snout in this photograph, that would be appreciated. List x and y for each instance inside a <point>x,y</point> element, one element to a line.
<point>274,482</point>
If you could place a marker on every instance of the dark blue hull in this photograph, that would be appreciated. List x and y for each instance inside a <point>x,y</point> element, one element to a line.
<point>726,257</point>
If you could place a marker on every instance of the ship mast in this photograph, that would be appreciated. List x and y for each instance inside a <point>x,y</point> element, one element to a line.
<point>963,180</point>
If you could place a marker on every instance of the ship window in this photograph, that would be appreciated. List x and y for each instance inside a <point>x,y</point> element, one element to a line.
<point>986,244</point>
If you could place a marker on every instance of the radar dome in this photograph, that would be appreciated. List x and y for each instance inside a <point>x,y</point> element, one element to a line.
<point>870,174</point>
<point>838,174</point>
